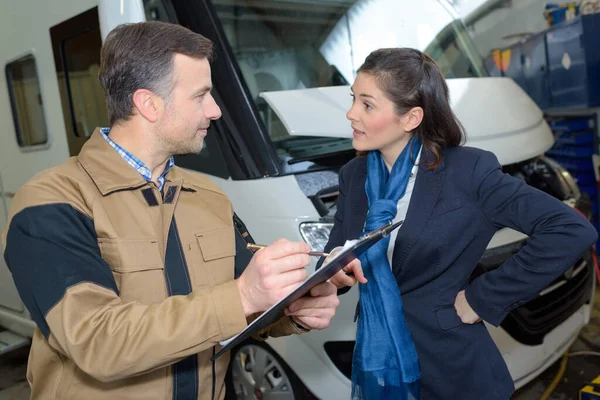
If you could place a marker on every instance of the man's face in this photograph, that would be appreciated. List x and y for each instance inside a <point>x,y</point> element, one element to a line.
<point>189,108</point>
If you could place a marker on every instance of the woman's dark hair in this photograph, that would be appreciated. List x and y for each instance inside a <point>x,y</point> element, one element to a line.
<point>410,78</point>
<point>140,55</point>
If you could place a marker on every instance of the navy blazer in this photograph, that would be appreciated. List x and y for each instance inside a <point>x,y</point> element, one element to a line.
<point>453,213</point>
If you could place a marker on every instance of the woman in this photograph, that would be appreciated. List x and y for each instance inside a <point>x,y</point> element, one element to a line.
<point>420,332</point>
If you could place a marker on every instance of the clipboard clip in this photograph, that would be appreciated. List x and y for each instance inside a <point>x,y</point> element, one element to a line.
<point>384,230</point>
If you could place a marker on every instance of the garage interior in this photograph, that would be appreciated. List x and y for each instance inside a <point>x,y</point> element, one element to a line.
<point>551,50</point>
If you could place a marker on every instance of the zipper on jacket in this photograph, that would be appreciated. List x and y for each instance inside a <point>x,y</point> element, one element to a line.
<point>214,378</point>
<point>241,228</point>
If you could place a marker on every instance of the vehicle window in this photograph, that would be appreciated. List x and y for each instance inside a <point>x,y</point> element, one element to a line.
<point>26,102</point>
<point>282,45</point>
<point>210,160</point>
<point>160,10</point>
<point>82,65</point>
<point>76,44</point>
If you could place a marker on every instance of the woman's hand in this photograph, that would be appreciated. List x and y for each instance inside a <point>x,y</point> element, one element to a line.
<point>349,275</point>
<point>464,311</point>
<point>317,310</point>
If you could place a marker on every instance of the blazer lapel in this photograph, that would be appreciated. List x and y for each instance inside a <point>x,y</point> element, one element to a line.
<point>359,204</point>
<point>424,196</point>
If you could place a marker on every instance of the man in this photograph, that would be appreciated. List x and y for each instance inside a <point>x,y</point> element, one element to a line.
<point>126,262</point>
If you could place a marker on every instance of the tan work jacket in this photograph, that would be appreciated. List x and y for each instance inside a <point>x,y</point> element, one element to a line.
<point>131,288</point>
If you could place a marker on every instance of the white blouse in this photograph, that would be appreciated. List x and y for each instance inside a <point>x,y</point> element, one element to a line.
<point>403,207</point>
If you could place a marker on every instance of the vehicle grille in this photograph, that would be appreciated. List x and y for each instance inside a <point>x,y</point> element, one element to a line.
<point>530,322</point>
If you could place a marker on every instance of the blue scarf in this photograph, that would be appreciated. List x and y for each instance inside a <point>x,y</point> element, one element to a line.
<point>385,363</point>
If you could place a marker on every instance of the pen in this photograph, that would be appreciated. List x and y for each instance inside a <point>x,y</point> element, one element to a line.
<point>252,246</point>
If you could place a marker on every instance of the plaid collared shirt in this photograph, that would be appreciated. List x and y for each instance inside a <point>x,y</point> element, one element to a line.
<point>136,163</point>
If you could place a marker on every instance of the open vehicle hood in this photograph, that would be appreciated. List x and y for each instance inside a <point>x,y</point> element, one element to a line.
<point>497,115</point>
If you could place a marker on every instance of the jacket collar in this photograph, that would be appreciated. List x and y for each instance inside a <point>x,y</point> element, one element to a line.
<point>427,157</point>
<point>109,171</point>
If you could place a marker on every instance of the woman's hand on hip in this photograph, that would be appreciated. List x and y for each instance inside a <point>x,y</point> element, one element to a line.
<point>464,311</point>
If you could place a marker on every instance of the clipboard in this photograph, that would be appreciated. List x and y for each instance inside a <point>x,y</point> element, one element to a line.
<point>351,250</point>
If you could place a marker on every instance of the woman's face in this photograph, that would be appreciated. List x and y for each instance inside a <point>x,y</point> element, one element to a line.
<point>375,122</point>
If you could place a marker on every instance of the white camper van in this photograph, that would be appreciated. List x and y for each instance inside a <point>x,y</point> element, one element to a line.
<point>281,77</point>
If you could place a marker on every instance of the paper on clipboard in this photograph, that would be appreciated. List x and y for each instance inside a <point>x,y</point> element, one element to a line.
<point>351,250</point>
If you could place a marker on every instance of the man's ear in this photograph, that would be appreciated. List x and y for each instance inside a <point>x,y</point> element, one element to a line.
<point>147,104</point>
<point>413,119</point>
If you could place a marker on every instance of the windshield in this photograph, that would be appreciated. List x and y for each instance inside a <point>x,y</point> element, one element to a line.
<point>295,44</point>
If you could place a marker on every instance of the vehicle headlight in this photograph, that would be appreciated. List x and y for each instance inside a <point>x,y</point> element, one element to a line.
<point>316,234</point>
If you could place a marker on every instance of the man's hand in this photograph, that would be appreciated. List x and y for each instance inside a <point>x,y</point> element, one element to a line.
<point>349,275</point>
<point>317,310</point>
<point>464,311</point>
<point>272,274</point>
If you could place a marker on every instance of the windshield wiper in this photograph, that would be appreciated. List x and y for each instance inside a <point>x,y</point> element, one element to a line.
<point>314,157</point>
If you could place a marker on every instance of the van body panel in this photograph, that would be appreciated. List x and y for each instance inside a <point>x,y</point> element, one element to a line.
<point>270,206</point>
<point>513,130</point>
<point>18,164</point>
<point>112,13</point>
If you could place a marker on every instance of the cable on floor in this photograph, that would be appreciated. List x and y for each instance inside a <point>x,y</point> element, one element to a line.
<point>585,353</point>
<point>563,368</point>
<point>558,377</point>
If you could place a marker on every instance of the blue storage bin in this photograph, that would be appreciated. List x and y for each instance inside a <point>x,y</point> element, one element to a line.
<point>561,125</point>
<point>514,69</point>
<point>575,164</point>
<point>557,13</point>
<point>535,72</point>
<point>573,59</point>
<point>571,151</point>
<point>569,138</point>
<point>568,85</point>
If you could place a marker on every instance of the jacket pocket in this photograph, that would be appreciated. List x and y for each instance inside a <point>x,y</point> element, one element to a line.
<point>216,243</point>
<point>137,267</point>
<point>446,206</point>
<point>447,317</point>
<point>131,255</point>
<point>215,264</point>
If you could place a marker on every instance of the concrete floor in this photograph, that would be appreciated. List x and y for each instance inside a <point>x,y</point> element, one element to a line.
<point>580,369</point>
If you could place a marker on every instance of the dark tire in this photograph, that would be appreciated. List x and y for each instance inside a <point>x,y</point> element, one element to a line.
<point>256,372</point>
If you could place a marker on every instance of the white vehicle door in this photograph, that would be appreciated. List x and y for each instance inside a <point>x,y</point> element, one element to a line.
<point>36,92</point>
<point>9,298</point>
<point>25,143</point>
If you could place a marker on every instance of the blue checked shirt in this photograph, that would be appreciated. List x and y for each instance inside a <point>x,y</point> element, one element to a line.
<point>136,163</point>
